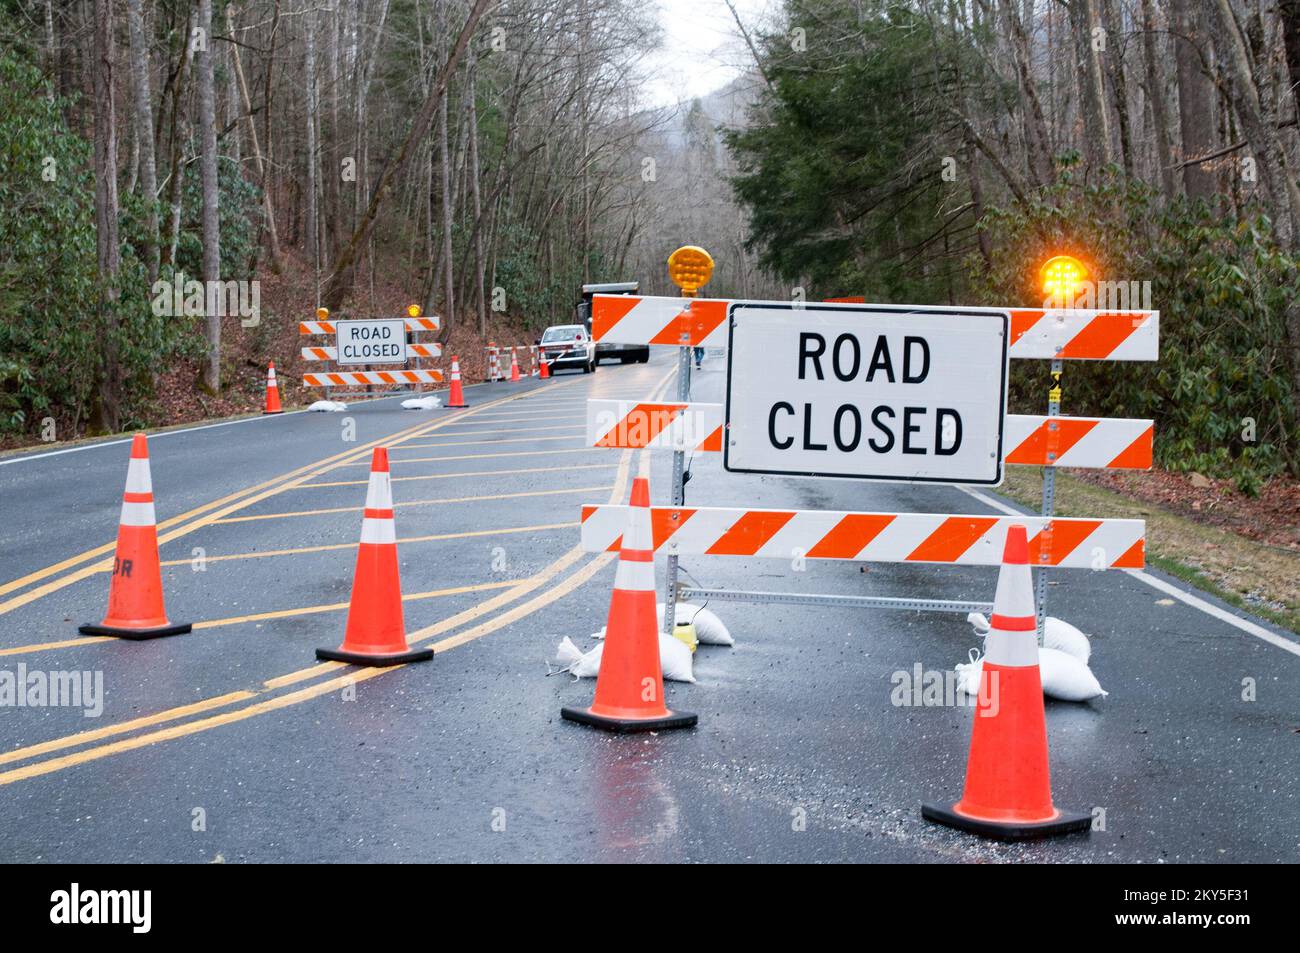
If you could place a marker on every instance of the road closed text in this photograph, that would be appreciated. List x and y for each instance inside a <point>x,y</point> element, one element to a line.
<point>867,394</point>
<point>372,342</point>
<point>914,429</point>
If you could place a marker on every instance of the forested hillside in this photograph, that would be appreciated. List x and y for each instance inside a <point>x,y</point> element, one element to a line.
<point>483,158</point>
<point>940,152</point>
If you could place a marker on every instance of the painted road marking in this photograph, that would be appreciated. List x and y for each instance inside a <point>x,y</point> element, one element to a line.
<point>437,502</point>
<point>437,537</point>
<point>484,456</point>
<point>293,478</point>
<point>467,473</point>
<point>573,555</point>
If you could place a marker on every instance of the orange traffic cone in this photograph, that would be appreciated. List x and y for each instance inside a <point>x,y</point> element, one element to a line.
<point>135,598</point>
<point>272,392</point>
<point>456,398</point>
<point>376,631</point>
<point>514,365</point>
<point>630,684</point>
<point>1008,791</point>
<point>545,371</point>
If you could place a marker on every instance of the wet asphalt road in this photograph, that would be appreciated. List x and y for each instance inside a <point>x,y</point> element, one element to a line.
<point>233,743</point>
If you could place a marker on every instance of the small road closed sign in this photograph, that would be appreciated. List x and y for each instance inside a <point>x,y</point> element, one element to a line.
<point>378,341</point>
<point>869,392</point>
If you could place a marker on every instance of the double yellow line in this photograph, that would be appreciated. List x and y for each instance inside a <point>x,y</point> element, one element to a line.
<point>87,563</point>
<point>515,592</point>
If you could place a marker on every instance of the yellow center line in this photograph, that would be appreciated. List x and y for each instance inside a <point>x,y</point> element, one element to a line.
<point>207,513</point>
<point>437,502</point>
<point>472,443</point>
<point>479,433</point>
<point>466,473</point>
<point>336,606</point>
<point>330,547</point>
<point>313,691</point>
<point>509,453</point>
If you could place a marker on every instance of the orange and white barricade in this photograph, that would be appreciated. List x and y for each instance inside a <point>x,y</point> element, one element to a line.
<point>417,377</point>
<point>1068,333</point>
<point>1049,441</point>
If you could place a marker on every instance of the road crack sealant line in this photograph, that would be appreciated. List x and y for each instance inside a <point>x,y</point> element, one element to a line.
<point>208,513</point>
<point>276,702</point>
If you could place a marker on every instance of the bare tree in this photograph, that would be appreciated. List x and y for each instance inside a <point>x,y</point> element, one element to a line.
<point>204,54</point>
<point>104,68</point>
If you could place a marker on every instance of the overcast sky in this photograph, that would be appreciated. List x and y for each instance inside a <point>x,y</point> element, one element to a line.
<point>702,48</point>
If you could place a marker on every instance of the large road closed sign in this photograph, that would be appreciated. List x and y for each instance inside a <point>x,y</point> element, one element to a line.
<point>379,341</point>
<point>869,392</point>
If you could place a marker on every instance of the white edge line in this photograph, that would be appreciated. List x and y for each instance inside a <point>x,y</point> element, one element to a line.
<point>1209,608</point>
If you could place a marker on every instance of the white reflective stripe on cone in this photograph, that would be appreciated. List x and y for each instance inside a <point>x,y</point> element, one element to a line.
<point>137,476</point>
<point>137,514</point>
<point>635,576</point>
<point>1015,592</point>
<point>378,531</point>
<point>1011,649</point>
<point>379,495</point>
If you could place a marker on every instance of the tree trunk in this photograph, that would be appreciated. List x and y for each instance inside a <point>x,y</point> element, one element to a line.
<point>211,196</point>
<point>1155,89</point>
<point>1040,164</point>
<point>312,224</point>
<point>176,177</point>
<point>106,235</point>
<point>1195,97</point>
<point>144,134</point>
<point>1096,126</point>
<point>446,256</point>
<point>472,92</point>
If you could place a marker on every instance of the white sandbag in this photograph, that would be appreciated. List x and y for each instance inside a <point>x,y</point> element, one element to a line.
<point>674,659</point>
<point>573,661</point>
<point>1057,634</point>
<point>709,629</point>
<point>328,406</point>
<point>968,673</point>
<point>1064,676</point>
<point>422,403</point>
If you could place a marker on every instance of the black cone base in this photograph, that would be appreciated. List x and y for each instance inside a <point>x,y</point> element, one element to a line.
<point>376,661</point>
<point>135,635</point>
<point>1068,822</point>
<point>624,726</point>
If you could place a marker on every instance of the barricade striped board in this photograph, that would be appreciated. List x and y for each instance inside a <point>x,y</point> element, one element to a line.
<point>357,378</point>
<point>331,353</point>
<point>631,424</point>
<point>1097,443</point>
<point>1074,334</point>
<point>431,323</point>
<point>872,537</point>
<point>1081,442</point>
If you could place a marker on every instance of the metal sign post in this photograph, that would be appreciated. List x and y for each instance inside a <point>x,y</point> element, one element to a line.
<point>690,268</point>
